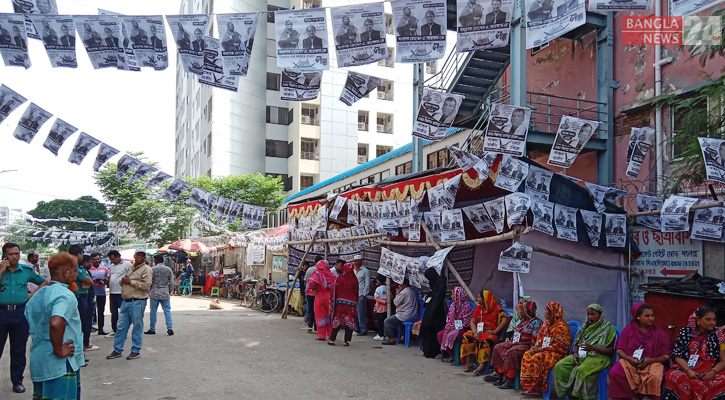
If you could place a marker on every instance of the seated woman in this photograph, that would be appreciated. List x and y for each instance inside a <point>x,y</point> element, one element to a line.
<point>515,319</point>
<point>577,375</point>
<point>643,349</point>
<point>459,314</point>
<point>507,355</point>
<point>487,323</point>
<point>699,360</point>
<point>552,344</point>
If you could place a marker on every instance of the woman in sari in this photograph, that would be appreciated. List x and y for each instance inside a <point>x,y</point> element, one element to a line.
<point>552,344</point>
<point>321,283</point>
<point>344,309</point>
<point>577,375</point>
<point>516,318</point>
<point>459,314</point>
<point>434,318</point>
<point>643,349</point>
<point>699,360</point>
<point>487,323</point>
<point>506,356</point>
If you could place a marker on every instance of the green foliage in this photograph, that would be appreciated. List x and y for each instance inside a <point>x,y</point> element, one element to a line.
<point>86,207</point>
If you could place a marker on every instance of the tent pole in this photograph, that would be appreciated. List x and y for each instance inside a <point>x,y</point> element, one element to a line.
<point>448,263</point>
<point>289,292</point>
<point>577,260</point>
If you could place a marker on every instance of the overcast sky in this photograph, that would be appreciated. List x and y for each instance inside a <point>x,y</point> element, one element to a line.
<point>131,111</point>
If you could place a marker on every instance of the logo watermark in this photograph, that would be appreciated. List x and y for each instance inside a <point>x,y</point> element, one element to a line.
<point>688,30</point>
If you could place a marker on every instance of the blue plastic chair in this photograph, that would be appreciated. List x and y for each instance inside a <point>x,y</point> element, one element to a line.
<point>185,287</point>
<point>603,375</point>
<point>574,327</point>
<point>408,325</point>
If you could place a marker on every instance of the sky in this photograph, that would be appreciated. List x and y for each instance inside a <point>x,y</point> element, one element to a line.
<point>131,111</point>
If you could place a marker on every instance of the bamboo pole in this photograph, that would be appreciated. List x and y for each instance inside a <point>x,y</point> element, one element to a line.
<point>492,239</point>
<point>657,212</point>
<point>448,263</point>
<point>285,310</point>
<point>577,260</point>
<point>347,239</point>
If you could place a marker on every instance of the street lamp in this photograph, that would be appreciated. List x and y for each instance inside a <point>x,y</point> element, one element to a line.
<point>8,170</point>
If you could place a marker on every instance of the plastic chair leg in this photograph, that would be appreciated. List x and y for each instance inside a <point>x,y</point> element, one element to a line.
<point>517,380</point>
<point>407,336</point>
<point>603,384</point>
<point>550,378</point>
<point>486,365</point>
<point>457,352</point>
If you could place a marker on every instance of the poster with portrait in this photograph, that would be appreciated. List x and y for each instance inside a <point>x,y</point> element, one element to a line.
<point>357,231</point>
<point>483,24</point>
<point>600,194</point>
<point>198,199</point>
<point>84,144</point>
<point>335,247</point>
<point>420,30</point>
<point>188,32</point>
<point>400,265</point>
<point>436,113</point>
<point>105,152</point>
<point>359,34</point>
<point>452,225</point>
<point>593,224</point>
<point>353,212</point>
<point>464,159</point>
<point>47,7</point>
<point>615,229</point>
<point>414,228</point>
<point>175,189</point>
<point>416,272</point>
<point>433,222</point>
<point>337,207</point>
<point>713,152</point>
<point>538,183</point>
<point>33,118</point>
<point>147,38</point>
<point>237,41</point>
<point>708,223</point>
<point>679,8</point>
<point>451,185</point>
<point>620,5</point>
<point>675,213</point>
<point>255,254</point>
<point>571,137</point>
<point>640,141</point>
<point>389,216</point>
<point>438,198</point>
<point>59,133</point>
<point>649,203</point>
<point>565,222</point>
<point>507,128</point>
<point>404,214</point>
<point>100,36</point>
<point>547,19</point>
<point>511,173</point>
<point>58,36</point>
<point>14,41</point>
<point>516,258</point>
<point>141,171</point>
<point>387,260</point>
<point>517,206</point>
<point>479,218</point>
<point>302,39</point>
<point>358,86</point>
<point>436,261</point>
<point>319,219</point>
<point>300,86</point>
<point>161,176</point>
<point>213,74</point>
<point>234,209</point>
<point>366,216</point>
<point>221,208</point>
<point>543,216</point>
<point>9,101</point>
<point>497,212</point>
<point>125,55</point>
<point>125,165</point>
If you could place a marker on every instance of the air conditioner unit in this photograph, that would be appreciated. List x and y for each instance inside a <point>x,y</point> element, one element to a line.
<point>362,159</point>
<point>381,128</point>
<point>306,119</point>
<point>362,126</point>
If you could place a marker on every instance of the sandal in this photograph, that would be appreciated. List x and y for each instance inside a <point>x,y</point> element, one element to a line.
<point>346,344</point>
<point>331,343</point>
<point>469,368</point>
<point>530,392</point>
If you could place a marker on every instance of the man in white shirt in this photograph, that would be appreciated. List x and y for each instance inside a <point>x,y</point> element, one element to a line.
<point>117,268</point>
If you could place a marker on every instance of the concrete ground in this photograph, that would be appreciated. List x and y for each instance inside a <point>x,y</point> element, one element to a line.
<point>237,353</point>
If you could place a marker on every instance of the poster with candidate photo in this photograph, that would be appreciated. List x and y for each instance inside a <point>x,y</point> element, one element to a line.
<point>464,159</point>
<point>252,216</point>
<point>125,55</point>
<point>400,265</point>
<point>367,216</point>
<point>420,30</point>
<point>237,39</point>
<point>387,259</point>
<point>353,212</point>
<point>483,24</point>
<point>57,32</point>
<point>147,38</point>
<point>357,231</point>
<point>416,272</point>
<point>33,118</point>
<point>100,36</point>
<point>436,113</point>
<point>511,173</point>
<point>507,129</point>
<point>517,206</point>
<point>713,151</point>
<point>571,137</point>
<point>593,224</point>
<point>335,247</point>
<point>479,218</point>
<point>547,20</point>
<point>9,101</point>
<point>649,203</point>
<point>161,176</point>
<point>708,223</point>
<point>597,193</point>
<point>640,141</point>
<point>14,41</point>
<point>319,219</point>
<point>125,165</point>
<point>432,220</point>
<point>175,189</point>
<point>452,225</point>
<point>337,207</point>
<point>675,213</point>
<point>516,258</point>
<point>543,216</point>
<point>59,133</point>
<point>300,86</point>
<point>439,198</point>
<point>389,216</point>
<point>47,7</point>
<point>497,212</point>
<point>213,74</point>
<point>199,199</point>
<point>538,183</point>
<point>615,229</point>
<point>438,258</point>
<point>359,34</point>
<point>565,222</point>
<point>679,8</point>
<point>358,86</point>
<point>302,39</point>
<point>234,209</point>
<point>141,171</point>
<point>451,185</point>
<point>620,5</point>
<point>84,144</point>
<point>404,213</point>
<point>188,32</point>
<point>222,207</point>
<point>105,152</point>
<point>414,228</point>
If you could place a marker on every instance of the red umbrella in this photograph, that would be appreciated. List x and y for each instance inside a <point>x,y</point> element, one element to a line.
<point>190,246</point>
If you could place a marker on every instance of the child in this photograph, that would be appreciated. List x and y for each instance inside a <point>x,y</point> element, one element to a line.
<point>381,307</point>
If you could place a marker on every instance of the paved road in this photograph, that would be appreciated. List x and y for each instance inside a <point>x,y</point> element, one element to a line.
<point>236,353</point>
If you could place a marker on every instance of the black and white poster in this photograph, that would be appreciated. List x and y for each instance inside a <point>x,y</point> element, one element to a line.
<point>337,207</point>
<point>593,224</point>
<point>213,74</point>
<point>84,144</point>
<point>48,7</point>
<point>221,209</point>
<point>404,215</point>
<point>357,231</point>
<point>105,152</point>
<point>353,212</point>
<point>188,31</point>
<point>175,189</point>
<point>620,5</point>
<point>483,24</point>
<point>14,41</point>
<point>414,228</point>
<point>615,229</point>
<point>125,165</point>
<point>416,272</point>
<point>675,213</point>
<point>302,39</point>
<point>358,86</point>
<point>479,218</point>
<point>359,34</point>
<point>389,218</point>
<point>713,151</point>
<point>252,216</point>
<point>438,198</point>
<point>147,38</point>
<point>452,225</point>
<point>565,222</point>
<point>420,30</point>
<point>600,194</point>
<point>234,210</point>
<point>436,113</point>
<point>212,200</point>
<point>400,265</point>
<point>319,220</point>
<point>100,36</point>
<point>58,36</point>
<point>237,41</point>
<point>335,247</point>
<point>161,176</point>
<point>9,101</point>
<point>141,171</point>
<point>451,186</point>
<point>255,254</point>
<point>708,223</point>
<point>33,118</point>
<point>687,7</point>
<point>538,183</point>
<point>348,246</point>
<point>367,216</point>
<point>507,128</point>
<point>497,212</point>
<point>640,141</point>
<point>126,57</point>
<point>464,159</point>
<point>511,173</point>
<point>571,137</point>
<point>545,23</point>
<point>433,222</point>
<point>59,133</point>
<point>543,216</point>
<point>199,199</point>
<point>387,259</point>
<point>300,86</point>
<point>517,206</point>
<point>649,203</point>
<point>516,258</point>
<point>436,261</point>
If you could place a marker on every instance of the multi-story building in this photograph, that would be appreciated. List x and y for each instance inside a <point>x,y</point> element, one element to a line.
<point>9,216</point>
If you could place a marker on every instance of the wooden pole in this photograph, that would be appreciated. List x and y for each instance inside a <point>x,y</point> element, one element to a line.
<point>346,239</point>
<point>577,260</point>
<point>285,310</point>
<point>492,239</point>
<point>448,263</point>
<point>657,212</point>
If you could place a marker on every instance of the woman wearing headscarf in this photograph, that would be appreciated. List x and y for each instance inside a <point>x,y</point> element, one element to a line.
<point>321,283</point>
<point>459,316</point>
<point>434,318</point>
<point>699,360</point>
<point>506,356</point>
<point>487,323</point>
<point>577,374</point>
<point>344,309</point>
<point>552,344</point>
<point>516,318</point>
<point>643,349</point>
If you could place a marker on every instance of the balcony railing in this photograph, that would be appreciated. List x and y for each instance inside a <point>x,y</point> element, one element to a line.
<point>386,63</point>
<point>309,155</point>
<point>307,120</point>
<point>385,128</point>
<point>362,126</point>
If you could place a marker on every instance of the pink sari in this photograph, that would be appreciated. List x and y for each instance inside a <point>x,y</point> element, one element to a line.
<point>460,310</point>
<point>323,280</point>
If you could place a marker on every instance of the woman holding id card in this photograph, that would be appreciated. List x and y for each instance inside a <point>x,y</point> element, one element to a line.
<point>552,344</point>
<point>699,360</point>
<point>489,320</point>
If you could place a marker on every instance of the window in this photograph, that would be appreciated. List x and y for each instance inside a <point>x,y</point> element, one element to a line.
<point>310,115</point>
<point>362,153</point>
<point>279,115</point>
<point>406,168</point>
<point>203,147</point>
<point>686,118</point>
<point>270,14</point>
<point>537,49</point>
<point>208,116</point>
<point>388,62</point>
<point>306,181</point>
<point>309,149</point>
<point>311,4</point>
<point>385,123</point>
<point>439,159</point>
<point>271,48</point>
<point>431,67</point>
<point>389,24</point>
<point>277,148</point>
<point>380,150</point>
<point>385,91</point>
<point>208,141</point>
<point>273,81</point>
<point>362,120</point>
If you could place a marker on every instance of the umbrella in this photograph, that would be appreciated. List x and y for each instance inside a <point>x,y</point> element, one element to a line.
<point>190,245</point>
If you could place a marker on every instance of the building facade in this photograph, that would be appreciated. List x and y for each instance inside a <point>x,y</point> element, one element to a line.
<point>9,216</point>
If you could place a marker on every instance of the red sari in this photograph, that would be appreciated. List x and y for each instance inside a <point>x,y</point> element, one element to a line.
<point>344,310</point>
<point>323,280</point>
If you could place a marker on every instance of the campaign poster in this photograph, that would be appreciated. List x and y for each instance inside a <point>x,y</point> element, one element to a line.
<point>353,212</point>
<point>161,176</point>
<point>675,213</point>
<point>436,261</point>
<point>593,223</point>
<point>400,265</point>
<point>84,144</point>
<point>222,207</point>
<point>357,231</point>
<point>358,86</point>
<point>433,222</point>
<point>105,152</point>
<point>483,24</point>
<point>615,229</point>
<point>649,203</point>
<point>497,212</point>
<point>713,152</point>
<point>188,31</point>
<point>565,222</point>
<point>545,23</point>
<point>640,141</point>
<point>507,129</point>
<point>147,39</point>
<point>516,258</point>
<point>302,39</point>
<point>511,173</point>
<point>337,207</point>
<point>708,224</point>
<point>389,217</point>
<point>479,218</point>
<point>141,171</point>
<point>100,36</point>
<point>237,41</point>
<point>538,182</point>
<point>439,198</point>
<point>571,137</point>
<point>57,33</point>
<point>31,121</point>
<point>175,189</point>
<point>47,7</point>
<point>359,34</point>
<point>14,41</point>
<point>213,74</point>
<point>436,114</point>
<point>234,210</point>
<point>126,57</point>
<point>420,30</point>
<point>414,227</point>
<point>300,86</point>
<point>387,259</point>
<point>59,133</point>
<point>543,216</point>
<point>9,101</point>
<point>125,165</point>
<point>452,225</point>
<point>517,206</point>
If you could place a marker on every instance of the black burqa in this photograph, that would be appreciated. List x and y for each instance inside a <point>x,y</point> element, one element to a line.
<point>434,318</point>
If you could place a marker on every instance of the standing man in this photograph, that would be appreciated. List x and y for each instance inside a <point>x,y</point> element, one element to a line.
<point>84,283</point>
<point>14,278</point>
<point>363,283</point>
<point>310,298</point>
<point>117,271</point>
<point>135,286</point>
<point>161,284</point>
<point>100,275</point>
<point>33,258</point>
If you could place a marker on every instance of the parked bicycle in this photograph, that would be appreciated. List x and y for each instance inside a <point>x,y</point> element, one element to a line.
<point>248,293</point>
<point>270,299</point>
<point>232,286</point>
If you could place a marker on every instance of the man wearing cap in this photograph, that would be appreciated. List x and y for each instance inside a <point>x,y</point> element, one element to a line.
<point>135,287</point>
<point>363,282</point>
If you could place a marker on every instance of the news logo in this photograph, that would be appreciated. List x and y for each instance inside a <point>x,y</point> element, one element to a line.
<point>688,30</point>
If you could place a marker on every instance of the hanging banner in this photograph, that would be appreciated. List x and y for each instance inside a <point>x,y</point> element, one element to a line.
<point>252,216</point>
<point>451,186</point>
<point>125,56</point>
<point>175,189</point>
<point>420,30</point>
<point>543,216</point>
<point>544,23</point>
<point>84,144</point>
<point>335,247</point>
<point>485,25</point>
<point>99,34</point>
<point>58,35</point>
<point>433,222</point>
<point>388,215</point>
<point>416,271</point>
<point>300,86</point>
<point>360,244</point>
<point>319,220</point>
<point>626,5</point>
<point>353,212</point>
<point>237,41</point>
<point>387,259</point>
<point>538,182</point>
<point>359,33</point>
<point>337,207</point>
<point>511,174</point>
<point>593,224</point>
<point>105,152</point>
<point>157,179</point>
<point>616,229</point>
<point>348,247</point>
<point>436,113</point>
<point>367,216</point>
<point>452,225</point>
<point>400,265</point>
<point>14,41</point>
<point>439,198</point>
<point>212,201</point>
<point>516,258</point>
<point>713,151</point>
<point>436,261</point>
<point>199,199</point>
<point>125,165</point>
<point>517,206</point>
<point>571,137</point>
<point>679,8</point>
<point>507,128</point>
<point>497,211</point>
<point>404,214</point>
<point>234,210</point>
<point>708,223</point>
<point>649,203</point>
<point>479,218</point>
<point>358,86</point>
<point>213,74</point>
<point>141,171</point>
<point>189,32</point>
<point>47,7</point>
<point>640,141</point>
<point>466,161</point>
<point>9,101</point>
<point>293,52</point>
<point>255,254</point>
<point>600,194</point>
<point>675,213</point>
<point>58,134</point>
<point>414,228</point>
<point>565,222</point>
<point>222,207</point>
<point>147,40</point>
<point>33,118</point>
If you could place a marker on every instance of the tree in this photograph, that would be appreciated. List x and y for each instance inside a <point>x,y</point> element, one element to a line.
<point>86,207</point>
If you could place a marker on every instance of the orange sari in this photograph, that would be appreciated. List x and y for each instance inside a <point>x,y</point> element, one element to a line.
<point>535,366</point>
